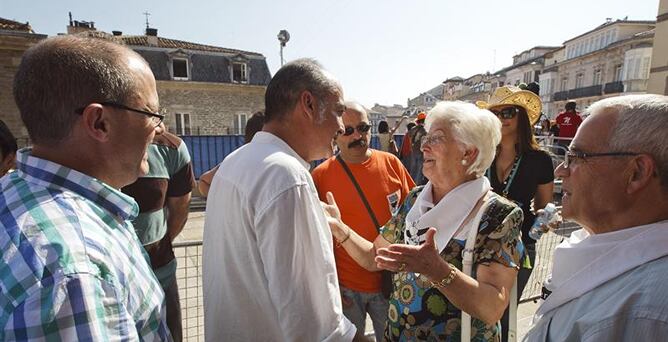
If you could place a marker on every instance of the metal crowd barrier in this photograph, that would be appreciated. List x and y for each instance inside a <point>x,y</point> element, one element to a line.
<point>189,279</point>
<point>542,267</point>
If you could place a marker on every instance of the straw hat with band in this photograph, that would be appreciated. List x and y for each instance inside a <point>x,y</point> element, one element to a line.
<point>514,96</point>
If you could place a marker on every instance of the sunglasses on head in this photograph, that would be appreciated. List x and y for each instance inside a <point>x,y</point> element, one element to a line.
<point>505,113</point>
<point>361,128</point>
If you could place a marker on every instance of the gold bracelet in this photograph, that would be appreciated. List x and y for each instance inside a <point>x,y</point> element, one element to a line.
<point>339,243</point>
<point>448,279</point>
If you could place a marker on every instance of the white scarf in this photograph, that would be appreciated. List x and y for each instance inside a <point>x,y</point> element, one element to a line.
<point>446,216</point>
<point>585,261</point>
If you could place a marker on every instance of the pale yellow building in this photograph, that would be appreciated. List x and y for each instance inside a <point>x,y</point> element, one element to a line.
<point>612,59</point>
<point>658,79</point>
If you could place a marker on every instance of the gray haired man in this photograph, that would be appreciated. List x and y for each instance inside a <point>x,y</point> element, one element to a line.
<point>609,278</point>
<point>269,272</point>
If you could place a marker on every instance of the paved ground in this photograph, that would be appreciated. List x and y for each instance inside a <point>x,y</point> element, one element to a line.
<point>193,232</point>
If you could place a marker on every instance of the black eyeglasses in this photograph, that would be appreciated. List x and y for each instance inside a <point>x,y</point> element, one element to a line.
<point>361,128</point>
<point>570,155</point>
<point>156,118</point>
<point>505,113</point>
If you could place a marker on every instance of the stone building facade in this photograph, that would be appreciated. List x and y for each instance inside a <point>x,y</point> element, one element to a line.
<point>206,90</point>
<point>610,60</point>
<point>427,100</point>
<point>527,66</point>
<point>15,39</point>
<point>206,108</point>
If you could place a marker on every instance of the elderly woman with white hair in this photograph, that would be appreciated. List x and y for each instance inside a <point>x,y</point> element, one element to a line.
<point>455,245</point>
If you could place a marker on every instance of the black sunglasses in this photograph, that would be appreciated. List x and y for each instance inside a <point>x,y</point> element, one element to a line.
<point>505,113</point>
<point>156,118</point>
<point>361,128</point>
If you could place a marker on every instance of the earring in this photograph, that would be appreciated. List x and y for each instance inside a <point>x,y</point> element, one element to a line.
<point>464,162</point>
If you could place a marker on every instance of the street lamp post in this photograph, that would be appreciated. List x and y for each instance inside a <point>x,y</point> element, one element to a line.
<point>283,38</point>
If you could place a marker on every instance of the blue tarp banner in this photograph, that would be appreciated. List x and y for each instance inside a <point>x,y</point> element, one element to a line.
<point>208,151</point>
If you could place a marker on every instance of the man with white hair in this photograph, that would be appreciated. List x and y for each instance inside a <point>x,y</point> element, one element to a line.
<point>609,278</point>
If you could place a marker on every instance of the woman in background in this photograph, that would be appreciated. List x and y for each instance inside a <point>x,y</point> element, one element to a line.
<point>386,136</point>
<point>521,171</point>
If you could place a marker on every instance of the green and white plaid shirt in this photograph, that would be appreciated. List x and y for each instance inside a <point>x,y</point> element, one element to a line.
<point>71,266</point>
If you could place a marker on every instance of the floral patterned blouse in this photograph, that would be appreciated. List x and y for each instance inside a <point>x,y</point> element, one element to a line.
<point>419,312</point>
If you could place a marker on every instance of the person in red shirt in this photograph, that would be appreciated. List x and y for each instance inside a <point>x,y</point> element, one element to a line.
<point>568,122</point>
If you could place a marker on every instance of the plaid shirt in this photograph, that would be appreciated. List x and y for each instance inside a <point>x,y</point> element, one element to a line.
<point>71,266</point>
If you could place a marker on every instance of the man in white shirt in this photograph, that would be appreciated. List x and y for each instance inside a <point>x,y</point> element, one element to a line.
<point>609,279</point>
<point>268,263</point>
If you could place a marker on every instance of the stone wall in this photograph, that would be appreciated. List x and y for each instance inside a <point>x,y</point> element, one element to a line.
<point>12,46</point>
<point>212,106</point>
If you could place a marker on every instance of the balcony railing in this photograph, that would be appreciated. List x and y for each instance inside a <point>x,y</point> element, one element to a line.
<point>585,92</point>
<point>613,87</point>
<point>561,95</point>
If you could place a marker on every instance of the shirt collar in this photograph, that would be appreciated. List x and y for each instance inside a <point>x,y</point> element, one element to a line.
<point>263,137</point>
<point>58,177</point>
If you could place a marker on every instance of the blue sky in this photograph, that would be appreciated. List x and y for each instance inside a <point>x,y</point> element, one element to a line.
<point>381,51</point>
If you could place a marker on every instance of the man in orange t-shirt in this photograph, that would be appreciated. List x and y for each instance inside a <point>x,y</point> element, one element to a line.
<point>385,183</point>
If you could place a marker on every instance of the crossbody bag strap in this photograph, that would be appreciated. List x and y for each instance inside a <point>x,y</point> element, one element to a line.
<point>467,268</point>
<point>359,191</point>
<point>467,256</point>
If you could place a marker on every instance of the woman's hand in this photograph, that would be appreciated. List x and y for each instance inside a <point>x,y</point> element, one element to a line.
<point>423,259</point>
<point>553,224</point>
<point>333,215</point>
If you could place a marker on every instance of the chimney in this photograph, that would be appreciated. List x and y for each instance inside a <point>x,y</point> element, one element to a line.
<point>77,26</point>
<point>152,36</point>
<point>117,33</point>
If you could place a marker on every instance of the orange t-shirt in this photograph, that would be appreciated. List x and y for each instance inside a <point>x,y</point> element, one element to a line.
<point>385,183</point>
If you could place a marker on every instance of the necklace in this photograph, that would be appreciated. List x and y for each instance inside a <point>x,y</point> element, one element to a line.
<point>509,180</point>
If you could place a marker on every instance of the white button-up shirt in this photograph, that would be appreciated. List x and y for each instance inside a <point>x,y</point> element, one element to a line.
<point>268,264</point>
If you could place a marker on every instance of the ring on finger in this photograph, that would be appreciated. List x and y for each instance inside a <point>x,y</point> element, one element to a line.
<point>402,267</point>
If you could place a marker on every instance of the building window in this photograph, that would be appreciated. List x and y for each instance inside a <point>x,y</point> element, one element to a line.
<point>180,69</point>
<point>564,84</point>
<point>579,80</point>
<point>182,124</point>
<point>644,69</point>
<point>239,73</point>
<point>240,124</point>
<point>632,68</point>
<point>618,73</point>
<point>597,77</point>
<point>527,77</point>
